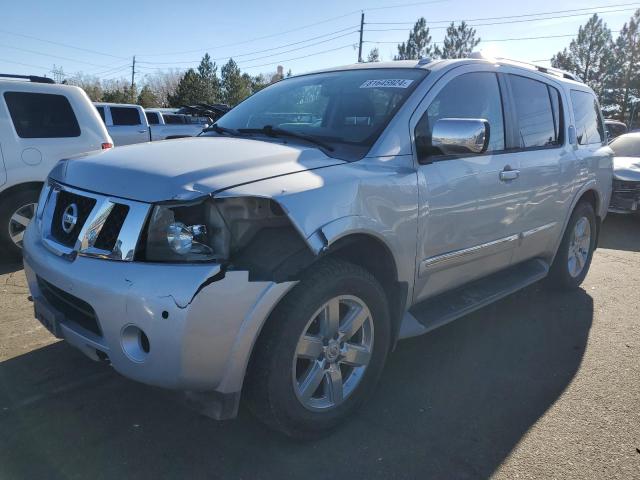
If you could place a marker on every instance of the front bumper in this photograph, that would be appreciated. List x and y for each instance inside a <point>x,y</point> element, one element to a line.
<point>201,324</point>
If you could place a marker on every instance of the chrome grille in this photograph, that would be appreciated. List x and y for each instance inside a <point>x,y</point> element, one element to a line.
<point>103,226</point>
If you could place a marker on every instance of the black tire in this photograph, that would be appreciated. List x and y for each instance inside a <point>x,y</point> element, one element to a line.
<point>559,275</point>
<point>269,390</point>
<point>8,206</point>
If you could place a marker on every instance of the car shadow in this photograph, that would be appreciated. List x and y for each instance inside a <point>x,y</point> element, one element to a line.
<point>9,265</point>
<point>620,232</point>
<point>451,404</point>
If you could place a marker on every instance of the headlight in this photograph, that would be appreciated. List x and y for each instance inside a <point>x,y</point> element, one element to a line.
<point>181,234</point>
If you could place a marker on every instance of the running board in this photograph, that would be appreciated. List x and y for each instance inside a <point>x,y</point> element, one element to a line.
<point>446,307</point>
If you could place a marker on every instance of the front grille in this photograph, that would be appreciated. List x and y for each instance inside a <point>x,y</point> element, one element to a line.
<point>622,186</point>
<point>74,310</point>
<point>111,229</point>
<point>84,206</point>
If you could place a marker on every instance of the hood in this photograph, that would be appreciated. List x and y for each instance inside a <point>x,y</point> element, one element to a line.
<point>187,168</point>
<point>626,169</point>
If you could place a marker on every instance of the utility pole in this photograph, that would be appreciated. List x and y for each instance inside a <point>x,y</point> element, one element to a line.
<point>133,72</point>
<point>361,30</point>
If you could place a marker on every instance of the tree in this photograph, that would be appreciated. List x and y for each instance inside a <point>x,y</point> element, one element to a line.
<point>459,41</point>
<point>418,45</point>
<point>163,85</point>
<point>208,72</point>
<point>235,86</point>
<point>147,98</point>
<point>374,55</point>
<point>91,85</point>
<point>624,88</point>
<point>190,90</point>
<point>589,55</point>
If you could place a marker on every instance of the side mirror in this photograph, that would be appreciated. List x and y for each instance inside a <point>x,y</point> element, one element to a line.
<point>459,136</point>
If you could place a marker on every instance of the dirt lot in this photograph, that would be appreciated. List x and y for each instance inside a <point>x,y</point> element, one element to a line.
<point>539,385</point>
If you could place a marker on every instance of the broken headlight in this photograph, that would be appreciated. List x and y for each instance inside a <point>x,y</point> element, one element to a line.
<point>184,233</point>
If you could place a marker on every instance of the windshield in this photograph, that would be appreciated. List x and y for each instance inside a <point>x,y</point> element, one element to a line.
<point>346,110</point>
<point>626,146</point>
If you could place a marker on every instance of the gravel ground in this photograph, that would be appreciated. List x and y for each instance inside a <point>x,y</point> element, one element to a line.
<point>538,385</point>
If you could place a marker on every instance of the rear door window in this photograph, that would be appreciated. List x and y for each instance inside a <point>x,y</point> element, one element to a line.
<point>588,118</point>
<point>537,109</point>
<point>101,112</point>
<point>152,118</point>
<point>42,115</point>
<point>125,116</point>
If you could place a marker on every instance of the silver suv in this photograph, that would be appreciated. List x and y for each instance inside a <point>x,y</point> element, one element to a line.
<point>283,254</point>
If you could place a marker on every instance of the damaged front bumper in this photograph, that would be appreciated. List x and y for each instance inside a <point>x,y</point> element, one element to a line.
<point>187,327</point>
<point>625,197</point>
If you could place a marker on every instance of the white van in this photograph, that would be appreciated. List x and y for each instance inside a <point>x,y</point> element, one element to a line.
<point>127,124</point>
<point>40,123</point>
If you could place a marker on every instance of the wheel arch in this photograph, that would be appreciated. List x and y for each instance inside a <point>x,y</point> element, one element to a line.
<point>19,187</point>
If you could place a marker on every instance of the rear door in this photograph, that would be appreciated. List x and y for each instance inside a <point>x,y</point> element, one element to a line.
<point>129,125</point>
<point>546,162</point>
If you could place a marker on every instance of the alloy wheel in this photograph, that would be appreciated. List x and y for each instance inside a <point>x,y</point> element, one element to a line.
<point>579,247</point>
<point>19,221</point>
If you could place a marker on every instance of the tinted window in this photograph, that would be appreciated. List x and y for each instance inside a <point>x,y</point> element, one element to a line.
<point>558,114</point>
<point>42,115</point>
<point>472,95</point>
<point>536,121</point>
<point>152,118</point>
<point>101,112</point>
<point>626,146</point>
<point>587,117</point>
<point>173,119</point>
<point>125,116</point>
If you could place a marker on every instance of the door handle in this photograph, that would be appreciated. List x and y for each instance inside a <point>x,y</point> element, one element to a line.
<point>506,175</point>
<point>142,131</point>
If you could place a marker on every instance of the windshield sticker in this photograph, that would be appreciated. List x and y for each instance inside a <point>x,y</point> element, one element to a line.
<point>387,83</point>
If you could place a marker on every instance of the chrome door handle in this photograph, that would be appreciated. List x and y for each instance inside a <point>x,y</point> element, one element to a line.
<point>142,131</point>
<point>507,175</point>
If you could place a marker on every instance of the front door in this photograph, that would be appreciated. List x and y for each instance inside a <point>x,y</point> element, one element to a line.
<point>468,204</point>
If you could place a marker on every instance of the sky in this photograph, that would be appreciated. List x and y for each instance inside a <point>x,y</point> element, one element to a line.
<point>101,38</point>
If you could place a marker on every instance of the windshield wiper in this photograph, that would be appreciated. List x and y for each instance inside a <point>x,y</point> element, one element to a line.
<point>218,129</point>
<point>271,131</point>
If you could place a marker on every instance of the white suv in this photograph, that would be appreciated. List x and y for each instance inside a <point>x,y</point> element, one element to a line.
<point>40,123</point>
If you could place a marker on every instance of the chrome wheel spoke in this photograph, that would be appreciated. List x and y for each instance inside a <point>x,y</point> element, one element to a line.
<point>355,355</point>
<point>312,380</point>
<point>19,222</point>
<point>334,384</point>
<point>309,347</point>
<point>353,322</point>
<point>20,219</point>
<point>17,237</point>
<point>331,319</point>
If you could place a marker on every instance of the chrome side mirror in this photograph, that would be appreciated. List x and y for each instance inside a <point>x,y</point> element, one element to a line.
<point>459,136</point>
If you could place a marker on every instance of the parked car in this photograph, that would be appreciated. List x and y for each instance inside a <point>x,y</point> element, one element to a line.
<point>626,174</point>
<point>127,124</point>
<point>40,123</point>
<point>615,128</point>
<point>282,254</point>
<point>165,125</point>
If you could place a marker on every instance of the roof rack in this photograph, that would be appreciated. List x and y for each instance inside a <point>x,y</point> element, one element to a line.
<point>31,78</point>
<point>548,70</point>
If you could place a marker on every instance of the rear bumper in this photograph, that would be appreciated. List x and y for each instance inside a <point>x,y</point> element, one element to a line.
<point>201,325</point>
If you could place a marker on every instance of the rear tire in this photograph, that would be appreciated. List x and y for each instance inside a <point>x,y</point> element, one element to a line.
<point>574,255</point>
<point>297,351</point>
<point>14,210</point>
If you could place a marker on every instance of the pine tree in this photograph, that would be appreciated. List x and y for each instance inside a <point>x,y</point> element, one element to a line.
<point>147,98</point>
<point>418,45</point>
<point>459,41</point>
<point>208,72</point>
<point>589,55</point>
<point>190,90</point>
<point>235,86</point>
<point>625,85</point>
<point>374,55</point>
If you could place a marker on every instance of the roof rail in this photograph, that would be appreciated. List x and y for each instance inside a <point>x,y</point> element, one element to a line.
<point>31,78</point>
<point>549,70</point>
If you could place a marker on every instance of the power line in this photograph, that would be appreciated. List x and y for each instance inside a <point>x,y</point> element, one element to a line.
<point>502,23</point>
<point>51,55</point>
<point>60,44</point>
<point>25,64</point>
<point>351,45</point>
<point>509,16</point>
<point>246,54</point>
<point>501,39</point>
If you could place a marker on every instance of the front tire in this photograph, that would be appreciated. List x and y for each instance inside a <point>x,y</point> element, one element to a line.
<point>574,255</point>
<point>322,351</point>
<point>16,211</point>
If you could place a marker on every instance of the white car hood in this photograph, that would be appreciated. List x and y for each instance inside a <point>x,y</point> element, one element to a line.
<point>626,169</point>
<point>188,168</point>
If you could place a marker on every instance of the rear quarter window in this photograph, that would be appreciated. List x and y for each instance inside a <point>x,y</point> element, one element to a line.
<point>42,115</point>
<point>152,118</point>
<point>125,116</point>
<point>101,112</point>
<point>588,118</point>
